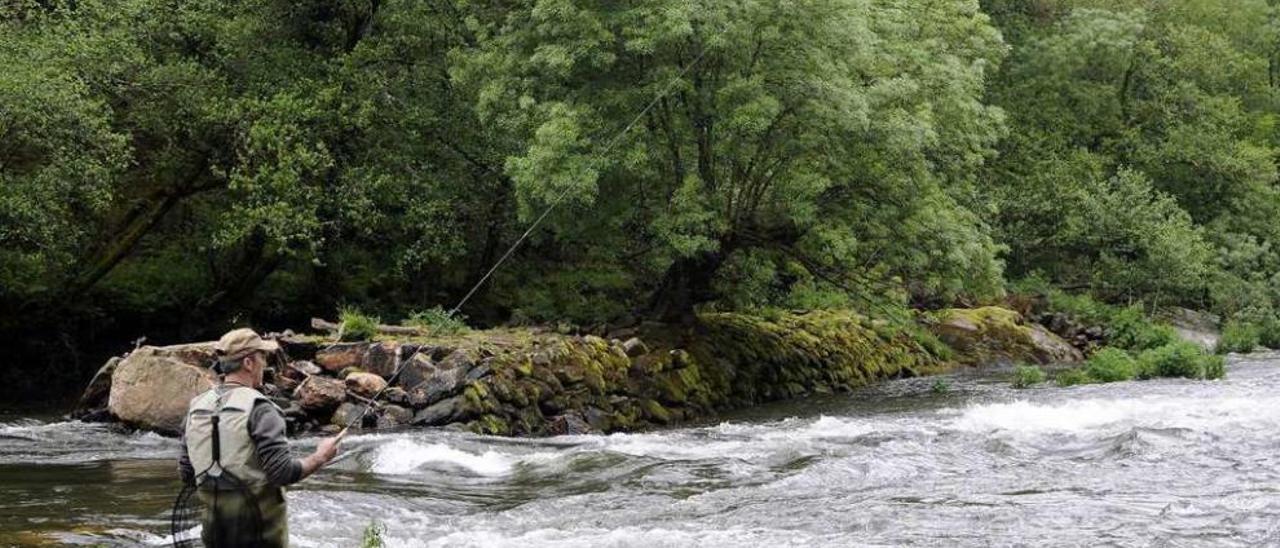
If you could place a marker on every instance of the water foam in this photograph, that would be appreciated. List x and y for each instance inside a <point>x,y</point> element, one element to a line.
<point>1199,414</point>
<point>404,456</point>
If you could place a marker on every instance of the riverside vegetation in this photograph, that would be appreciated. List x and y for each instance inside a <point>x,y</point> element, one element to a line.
<point>174,169</point>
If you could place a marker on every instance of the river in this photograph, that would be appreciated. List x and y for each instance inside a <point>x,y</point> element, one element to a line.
<point>1163,462</point>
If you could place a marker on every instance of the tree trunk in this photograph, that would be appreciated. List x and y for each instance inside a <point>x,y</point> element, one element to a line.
<point>686,284</point>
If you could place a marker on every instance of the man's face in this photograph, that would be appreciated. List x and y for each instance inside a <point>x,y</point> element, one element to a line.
<point>256,364</point>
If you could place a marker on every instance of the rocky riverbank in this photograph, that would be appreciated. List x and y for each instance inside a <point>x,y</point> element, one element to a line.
<point>536,382</point>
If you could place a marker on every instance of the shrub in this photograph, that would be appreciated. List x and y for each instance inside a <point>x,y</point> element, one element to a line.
<point>1025,376</point>
<point>373,535</point>
<point>437,321</point>
<point>357,326</point>
<point>1239,336</point>
<point>1130,329</point>
<point>1111,365</point>
<point>1072,377</point>
<point>1269,333</point>
<point>941,386</point>
<point>1179,359</point>
<point>1126,327</point>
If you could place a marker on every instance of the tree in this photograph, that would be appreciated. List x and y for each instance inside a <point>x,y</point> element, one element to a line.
<point>809,132</point>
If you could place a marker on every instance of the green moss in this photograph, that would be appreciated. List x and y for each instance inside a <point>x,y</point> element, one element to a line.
<point>492,425</point>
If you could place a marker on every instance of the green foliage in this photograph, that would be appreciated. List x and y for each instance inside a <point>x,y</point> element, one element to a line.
<point>1239,336</point>
<point>1072,377</point>
<point>1128,327</point>
<point>438,321</point>
<point>1025,376</point>
<point>195,162</point>
<point>356,326</point>
<point>1141,163</point>
<point>373,535</point>
<point>1269,333</point>
<point>1180,359</point>
<point>1111,365</point>
<point>940,386</point>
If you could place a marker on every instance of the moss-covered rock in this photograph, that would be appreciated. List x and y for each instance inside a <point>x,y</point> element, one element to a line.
<point>994,334</point>
<point>529,382</point>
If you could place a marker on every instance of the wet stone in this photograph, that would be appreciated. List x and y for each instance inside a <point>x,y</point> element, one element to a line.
<point>391,416</point>
<point>440,412</point>
<point>571,424</point>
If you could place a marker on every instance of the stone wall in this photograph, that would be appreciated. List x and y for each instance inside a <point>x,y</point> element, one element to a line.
<point>531,382</point>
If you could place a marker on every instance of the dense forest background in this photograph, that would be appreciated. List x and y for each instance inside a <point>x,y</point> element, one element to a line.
<point>169,168</point>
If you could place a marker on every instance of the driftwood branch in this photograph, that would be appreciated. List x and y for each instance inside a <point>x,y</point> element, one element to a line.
<point>325,325</point>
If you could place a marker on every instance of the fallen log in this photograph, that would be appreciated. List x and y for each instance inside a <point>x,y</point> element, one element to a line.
<point>324,325</point>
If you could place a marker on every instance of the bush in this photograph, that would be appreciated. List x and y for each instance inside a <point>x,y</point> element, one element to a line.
<point>1130,329</point>
<point>1269,333</point>
<point>437,321</point>
<point>1126,327</point>
<point>373,535</point>
<point>1025,376</point>
<point>1111,365</point>
<point>941,386</point>
<point>357,326</point>
<point>1072,377</point>
<point>1180,359</point>
<point>1239,336</point>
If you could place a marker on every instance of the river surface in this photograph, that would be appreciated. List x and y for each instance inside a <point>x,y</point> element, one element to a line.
<point>1155,463</point>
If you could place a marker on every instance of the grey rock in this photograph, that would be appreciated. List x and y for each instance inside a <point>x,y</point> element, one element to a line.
<point>439,413</point>
<point>95,394</point>
<point>571,424</point>
<point>416,371</point>
<point>346,413</point>
<point>396,395</point>
<point>635,347</point>
<point>478,372</point>
<point>440,384</point>
<point>391,416</point>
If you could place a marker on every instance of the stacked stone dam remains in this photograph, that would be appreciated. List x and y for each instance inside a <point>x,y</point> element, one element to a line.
<point>534,382</point>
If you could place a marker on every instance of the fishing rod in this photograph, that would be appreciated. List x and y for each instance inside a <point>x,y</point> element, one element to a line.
<point>617,138</point>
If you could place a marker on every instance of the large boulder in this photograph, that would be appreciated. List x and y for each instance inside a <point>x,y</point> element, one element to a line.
<point>993,334</point>
<point>320,393</point>
<point>152,388</point>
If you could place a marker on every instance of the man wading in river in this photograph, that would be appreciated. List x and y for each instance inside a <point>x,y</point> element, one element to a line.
<point>253,463</point>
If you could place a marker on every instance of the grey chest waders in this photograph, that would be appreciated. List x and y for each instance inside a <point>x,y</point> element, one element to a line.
<point>219,508</point>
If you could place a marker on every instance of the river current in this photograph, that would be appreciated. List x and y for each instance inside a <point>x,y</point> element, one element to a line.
<point>1154,463</point>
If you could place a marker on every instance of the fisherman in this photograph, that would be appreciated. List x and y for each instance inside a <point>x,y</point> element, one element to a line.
<point>253,462</point>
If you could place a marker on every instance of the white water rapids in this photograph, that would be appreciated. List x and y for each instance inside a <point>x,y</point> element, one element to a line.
<point>1163,463</point>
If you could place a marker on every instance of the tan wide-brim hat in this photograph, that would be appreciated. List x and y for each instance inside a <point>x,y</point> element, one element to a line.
<point>239,343</point>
